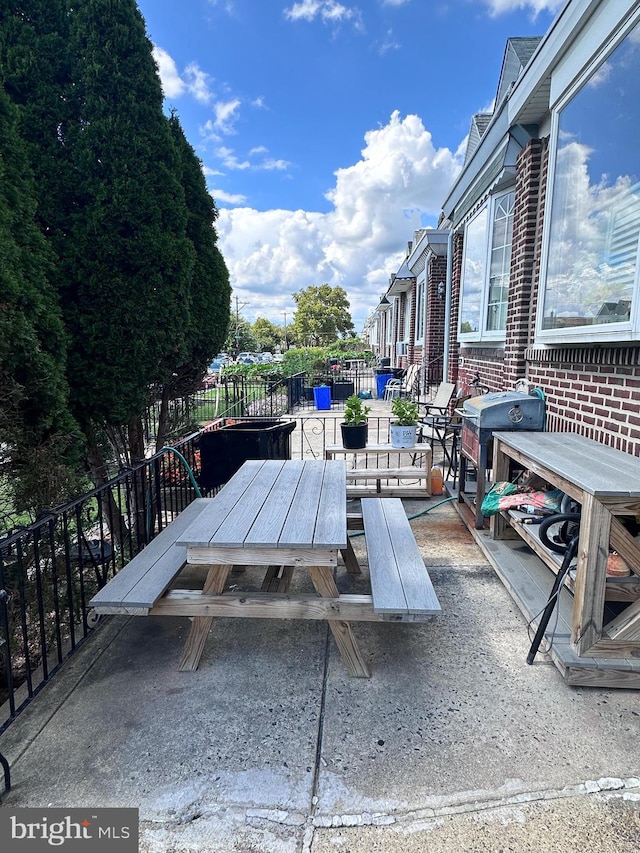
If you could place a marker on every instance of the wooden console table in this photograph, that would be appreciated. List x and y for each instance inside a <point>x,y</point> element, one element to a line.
<point>373,481</point>
<point>602,647</point>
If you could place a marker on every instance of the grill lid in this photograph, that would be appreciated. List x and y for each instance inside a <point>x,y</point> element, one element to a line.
<point>505,410</point>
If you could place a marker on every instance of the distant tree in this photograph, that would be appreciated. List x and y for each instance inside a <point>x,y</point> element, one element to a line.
<point>322,315</point>
<point>240,336</point>
<point>41,438</point>
<point>267,334</point>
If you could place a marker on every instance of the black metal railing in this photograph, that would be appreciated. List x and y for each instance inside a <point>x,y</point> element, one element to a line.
<point>231,396</point>
<point>433,373</point>
<point>50,569</point>
<point>314,432</point>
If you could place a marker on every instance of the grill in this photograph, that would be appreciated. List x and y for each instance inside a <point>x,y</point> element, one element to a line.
<point>481,417</point>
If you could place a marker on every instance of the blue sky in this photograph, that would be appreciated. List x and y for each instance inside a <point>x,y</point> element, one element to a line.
<point>329,130</point>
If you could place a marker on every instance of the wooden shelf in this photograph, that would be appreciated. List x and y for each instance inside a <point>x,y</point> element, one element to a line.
<point>604,611</point>
<point>616,589</point>
<point>366,481</point>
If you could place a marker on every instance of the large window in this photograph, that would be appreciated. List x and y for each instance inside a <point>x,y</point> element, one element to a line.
<point>485,270</point>
<point>594,221</point>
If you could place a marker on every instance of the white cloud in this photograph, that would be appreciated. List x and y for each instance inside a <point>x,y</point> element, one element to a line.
<point>377,203</point>
<point>329,11</point>
<point>172,84</point>
<point>197,82</point>
<point>500,7</point>
<point>272,165</point>
<point>226,112</point>
<point>193,81</point>
<point>229,159</point>
<point>388,43</point>
<point>228,198</point>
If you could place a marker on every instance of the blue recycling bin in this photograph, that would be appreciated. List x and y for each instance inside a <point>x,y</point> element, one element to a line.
<point>381,381</point>
<point>322,396</point>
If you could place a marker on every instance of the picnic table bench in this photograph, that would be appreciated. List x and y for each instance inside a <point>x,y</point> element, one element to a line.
<point>144,579</point>
<point>400,584</point>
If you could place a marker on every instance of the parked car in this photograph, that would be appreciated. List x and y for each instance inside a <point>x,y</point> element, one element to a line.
<point>247,358</point>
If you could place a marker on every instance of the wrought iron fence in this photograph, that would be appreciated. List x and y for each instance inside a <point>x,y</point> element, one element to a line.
<point>231,396</point>
<point>270,396</point>
<point>314,432</point>
<point>49,570</point>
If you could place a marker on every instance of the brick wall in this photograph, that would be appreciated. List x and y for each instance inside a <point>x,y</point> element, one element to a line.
<point>434,327</point>
<point>526,224</point>
<point>591,391</point>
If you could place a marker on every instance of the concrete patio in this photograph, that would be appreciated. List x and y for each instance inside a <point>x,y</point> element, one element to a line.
<point>453,744</point>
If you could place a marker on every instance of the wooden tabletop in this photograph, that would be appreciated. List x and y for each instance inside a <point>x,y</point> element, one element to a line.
<point>276,504</point>
<point>595,468</point>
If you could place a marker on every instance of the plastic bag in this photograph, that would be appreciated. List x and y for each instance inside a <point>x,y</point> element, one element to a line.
<point>504,495</point>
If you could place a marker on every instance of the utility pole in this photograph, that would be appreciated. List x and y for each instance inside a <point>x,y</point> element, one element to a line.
<point>238,307</point>
<point>286,346</point>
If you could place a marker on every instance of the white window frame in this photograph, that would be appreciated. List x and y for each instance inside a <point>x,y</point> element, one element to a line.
<point>623,331</point>
<point>483,334</point>
<point>420,307</point>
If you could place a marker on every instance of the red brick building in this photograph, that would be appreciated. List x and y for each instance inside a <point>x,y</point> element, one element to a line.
<point>534,270</point>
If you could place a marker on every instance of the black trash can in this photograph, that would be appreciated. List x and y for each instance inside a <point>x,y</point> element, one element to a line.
<point>224,450</point>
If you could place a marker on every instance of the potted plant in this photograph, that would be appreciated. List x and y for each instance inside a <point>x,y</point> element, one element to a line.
<point>403,427</point>
<point>355,426</point>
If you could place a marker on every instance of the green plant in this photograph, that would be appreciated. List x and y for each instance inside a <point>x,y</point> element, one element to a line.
<point>355,413</point>
<point>404,411</point>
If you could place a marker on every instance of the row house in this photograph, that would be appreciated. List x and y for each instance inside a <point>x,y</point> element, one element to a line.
<point>533,272</point>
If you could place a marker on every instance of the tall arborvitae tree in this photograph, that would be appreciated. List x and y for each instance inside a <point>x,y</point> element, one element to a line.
<point>209,292</point>
<point>111,175</point>
<point>129,262</point>
<point>36,427</point>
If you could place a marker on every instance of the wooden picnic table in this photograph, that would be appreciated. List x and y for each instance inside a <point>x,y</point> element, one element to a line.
<point>287,516</point>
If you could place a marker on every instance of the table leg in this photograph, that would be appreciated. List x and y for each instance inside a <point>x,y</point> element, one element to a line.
<point>277,579</point>
<point>325,585</point>
<point>201,625</point>
<point>350,559</point>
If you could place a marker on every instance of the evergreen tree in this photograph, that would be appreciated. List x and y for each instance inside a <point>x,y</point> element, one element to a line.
<point>209,291</point>
<point>128,263</point>
<point>40,435</point>
<point>37,71</point>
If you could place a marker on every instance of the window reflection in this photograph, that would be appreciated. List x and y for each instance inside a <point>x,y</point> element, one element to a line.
<point>500,263</point>
<point>475,252</point>
<point>595,215</point>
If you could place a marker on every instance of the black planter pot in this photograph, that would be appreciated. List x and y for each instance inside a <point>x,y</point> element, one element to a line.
<point>342,390</point>
<point>354,437</point>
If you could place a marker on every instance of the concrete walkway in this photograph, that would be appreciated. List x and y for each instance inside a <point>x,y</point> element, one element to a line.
<point>454,744</point>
